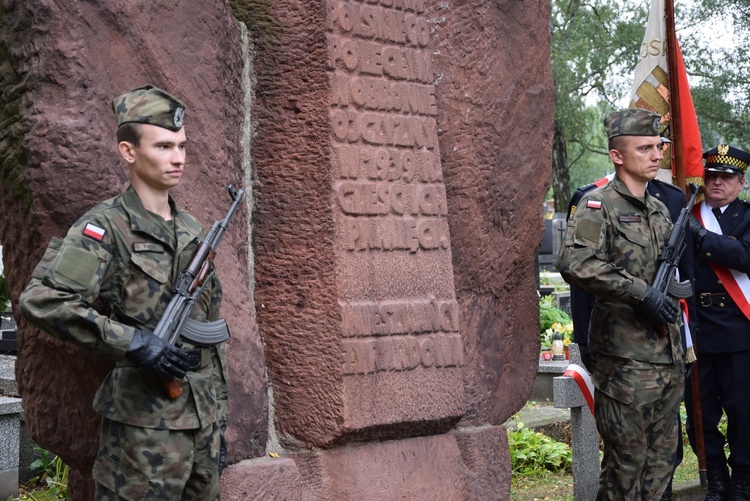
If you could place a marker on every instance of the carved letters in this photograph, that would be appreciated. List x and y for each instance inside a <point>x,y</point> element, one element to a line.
<point>388,183</point>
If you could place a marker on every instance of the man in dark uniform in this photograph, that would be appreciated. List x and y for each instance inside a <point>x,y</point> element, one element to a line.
<point>721,235</point>
<point>581,302</point>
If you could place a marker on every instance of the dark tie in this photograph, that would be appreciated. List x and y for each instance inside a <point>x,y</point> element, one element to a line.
<point>717,212</point>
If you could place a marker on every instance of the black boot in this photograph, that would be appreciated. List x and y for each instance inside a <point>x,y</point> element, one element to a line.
<point>667,496</point>
<point>740,486</point>
<point>718,484</point>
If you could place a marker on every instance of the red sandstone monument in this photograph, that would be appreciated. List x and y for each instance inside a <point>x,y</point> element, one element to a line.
<point>380,285</point>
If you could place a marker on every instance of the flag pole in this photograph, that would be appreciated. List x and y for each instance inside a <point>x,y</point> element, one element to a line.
<point>674,98</point>
<point>679,174</point>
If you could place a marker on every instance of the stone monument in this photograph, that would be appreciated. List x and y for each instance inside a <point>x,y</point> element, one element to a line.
<point>398,153</point>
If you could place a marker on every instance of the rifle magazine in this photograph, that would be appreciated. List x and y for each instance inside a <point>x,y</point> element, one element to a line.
<point>205,333</point>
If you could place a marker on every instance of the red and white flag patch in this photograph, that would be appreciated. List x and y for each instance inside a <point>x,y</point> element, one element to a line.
<point>594,204</point>
<point>94,231</point>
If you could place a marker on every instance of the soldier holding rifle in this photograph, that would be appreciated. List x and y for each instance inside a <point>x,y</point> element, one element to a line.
<point>124,256</point>
<point>611,248</point>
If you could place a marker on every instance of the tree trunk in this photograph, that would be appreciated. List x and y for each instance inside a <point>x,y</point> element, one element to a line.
<point>560,174</point>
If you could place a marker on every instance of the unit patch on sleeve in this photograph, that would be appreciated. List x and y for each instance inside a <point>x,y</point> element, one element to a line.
<point>94,231</point>
<point>594,204</point>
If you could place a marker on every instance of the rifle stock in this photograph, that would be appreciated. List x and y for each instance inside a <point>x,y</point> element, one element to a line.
<point>188,288</point>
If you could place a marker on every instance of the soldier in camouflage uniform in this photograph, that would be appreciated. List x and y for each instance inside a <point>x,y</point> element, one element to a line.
<point>124,255</point>
<point>610,251</point>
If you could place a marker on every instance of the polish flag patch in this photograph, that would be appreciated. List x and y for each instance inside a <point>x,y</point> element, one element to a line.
<point>95,232</point>
<point>594,204</point>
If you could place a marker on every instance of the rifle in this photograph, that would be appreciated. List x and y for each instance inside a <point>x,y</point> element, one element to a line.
<point>670,255</point>
<point>188,287</point>
<point>665,282</point>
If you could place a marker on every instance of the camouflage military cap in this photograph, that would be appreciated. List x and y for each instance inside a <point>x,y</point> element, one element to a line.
<point>632,122</point>
<point>725,158</point>
<point>149,105</point>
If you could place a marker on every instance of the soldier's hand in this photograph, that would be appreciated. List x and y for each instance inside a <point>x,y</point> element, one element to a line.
<point>698,231</point>
<point>657,307</point>
<point>153,354</point>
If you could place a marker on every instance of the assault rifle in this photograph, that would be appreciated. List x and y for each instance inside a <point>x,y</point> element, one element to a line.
<point>175,322</point>
<point>669,257</point>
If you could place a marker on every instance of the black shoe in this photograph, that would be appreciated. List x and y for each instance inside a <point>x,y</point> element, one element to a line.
<point>718,484</point>
<point>740,490</point>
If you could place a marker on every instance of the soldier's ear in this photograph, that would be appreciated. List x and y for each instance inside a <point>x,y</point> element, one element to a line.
<point>616,156</point>
<point>127,150</point>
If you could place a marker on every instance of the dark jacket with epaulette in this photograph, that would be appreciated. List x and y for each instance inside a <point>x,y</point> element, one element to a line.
<point>723,329</point>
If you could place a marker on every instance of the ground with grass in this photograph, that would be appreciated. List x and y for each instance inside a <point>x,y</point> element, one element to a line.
<point>559,486</point>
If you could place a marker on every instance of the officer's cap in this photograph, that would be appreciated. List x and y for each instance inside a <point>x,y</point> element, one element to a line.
<point>632,122</point>
<point>149,105</point>
<point>725,158</point>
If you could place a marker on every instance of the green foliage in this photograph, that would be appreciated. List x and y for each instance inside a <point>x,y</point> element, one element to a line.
<point>550,314</point>
<point>532,453</point>
<point>594,52</point>
<point>594,48</point>
<point>719,70</point>
<point>53,478</point>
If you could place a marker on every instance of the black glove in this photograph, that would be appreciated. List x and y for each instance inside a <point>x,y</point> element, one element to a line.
<point>657,307</point>
<point>157,356</point>
<point>698,231</point>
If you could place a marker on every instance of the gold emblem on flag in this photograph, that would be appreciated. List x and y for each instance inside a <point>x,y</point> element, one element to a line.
<point>723,149</point>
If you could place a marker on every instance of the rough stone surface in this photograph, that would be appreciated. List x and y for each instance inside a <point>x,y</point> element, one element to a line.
<point>354,274</point>
<point>494,98</point>
<point>62,64</point>
<point>264,478</point>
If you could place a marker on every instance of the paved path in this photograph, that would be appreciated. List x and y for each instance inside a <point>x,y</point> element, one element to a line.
<point>689,491</point>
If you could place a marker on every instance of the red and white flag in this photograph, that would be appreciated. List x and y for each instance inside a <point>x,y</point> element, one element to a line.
<point>651,91</point>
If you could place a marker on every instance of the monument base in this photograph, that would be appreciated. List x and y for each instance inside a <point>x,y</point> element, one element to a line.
<point>464,464</point>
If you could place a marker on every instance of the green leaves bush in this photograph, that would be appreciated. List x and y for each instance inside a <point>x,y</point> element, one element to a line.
<point>52,482</point>
<point>550,314</point>
<point>533,453</point>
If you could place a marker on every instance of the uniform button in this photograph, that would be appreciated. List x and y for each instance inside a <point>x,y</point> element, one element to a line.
<point>719,282</point>
<point>721,304</point>
<point>708,254</point>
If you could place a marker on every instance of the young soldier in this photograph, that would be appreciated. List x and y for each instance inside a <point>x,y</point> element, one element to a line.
<point>611,247</point>
<point>123,256</point>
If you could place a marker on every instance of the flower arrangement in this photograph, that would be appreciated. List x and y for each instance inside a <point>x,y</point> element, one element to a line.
<point>565,331</point>
<point>553,320</point>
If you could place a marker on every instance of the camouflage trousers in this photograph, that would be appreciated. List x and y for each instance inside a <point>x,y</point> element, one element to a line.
<point>637,415</point>
<point>136,463</point>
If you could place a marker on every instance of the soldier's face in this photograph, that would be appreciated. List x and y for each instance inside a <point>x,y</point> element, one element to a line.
<point>639,157</point>
<point>158,161</point>
<point>722,188</point>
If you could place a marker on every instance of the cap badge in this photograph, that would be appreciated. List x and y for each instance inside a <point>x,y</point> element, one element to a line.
<point>723,149</point>
<point>657,122</point>
<point>179,112</point>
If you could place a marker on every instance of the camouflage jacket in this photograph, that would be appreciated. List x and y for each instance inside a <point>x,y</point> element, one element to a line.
<point>94,289</point>
<point>611,246</point>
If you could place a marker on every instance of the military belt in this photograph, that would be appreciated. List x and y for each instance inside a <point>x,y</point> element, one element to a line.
<point>198,359</point>
<point>720,299</point>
